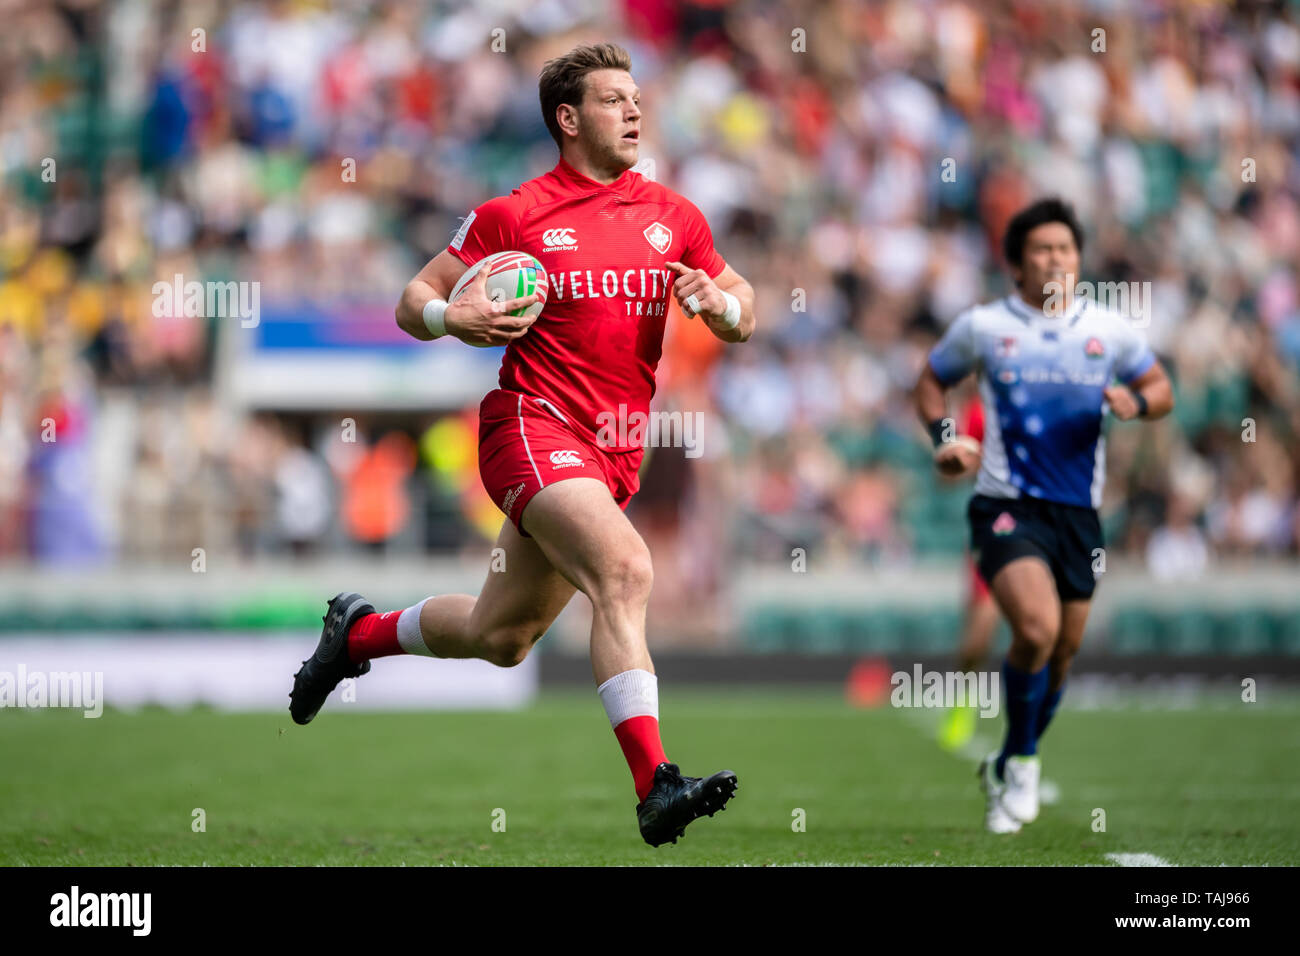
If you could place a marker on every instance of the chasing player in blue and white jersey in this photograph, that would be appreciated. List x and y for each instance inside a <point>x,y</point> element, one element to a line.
<point>1050,365</point>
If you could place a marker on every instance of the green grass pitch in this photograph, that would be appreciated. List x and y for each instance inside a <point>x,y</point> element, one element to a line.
<point>1194,787</point>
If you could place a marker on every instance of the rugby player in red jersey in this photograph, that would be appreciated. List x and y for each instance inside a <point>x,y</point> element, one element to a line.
<point>615,246</point>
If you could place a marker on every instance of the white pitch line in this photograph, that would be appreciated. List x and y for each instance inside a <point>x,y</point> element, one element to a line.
<point>1137,859</point>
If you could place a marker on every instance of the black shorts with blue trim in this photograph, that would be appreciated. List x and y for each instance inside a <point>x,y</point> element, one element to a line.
<point>1066,537</point>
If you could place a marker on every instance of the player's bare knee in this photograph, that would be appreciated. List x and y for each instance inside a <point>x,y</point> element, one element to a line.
<point>624,582</point>
<point>507,654</point>
<point>1038,630</point>
<point>507,646</point>
<point>512,655</point>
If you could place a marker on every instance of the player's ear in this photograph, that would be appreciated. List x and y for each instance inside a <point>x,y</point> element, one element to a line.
<point>566,115</point>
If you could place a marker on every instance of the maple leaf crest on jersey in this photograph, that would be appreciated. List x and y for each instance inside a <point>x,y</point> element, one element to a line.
<point>659,237</point>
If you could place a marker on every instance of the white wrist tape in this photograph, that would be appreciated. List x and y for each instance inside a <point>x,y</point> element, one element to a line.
<point>731,317</point>
<point>433,312</point>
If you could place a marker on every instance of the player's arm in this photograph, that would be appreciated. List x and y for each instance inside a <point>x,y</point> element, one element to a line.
<point>953,358</point>
<point>1150,395</point>
<point>930,397</point>
<point>473,318</point>
<point>713,305</point>
<point>434,281</point>
<point>952,456</point>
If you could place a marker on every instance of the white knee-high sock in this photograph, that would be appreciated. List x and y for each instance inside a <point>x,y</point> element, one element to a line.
<point>408,631</point>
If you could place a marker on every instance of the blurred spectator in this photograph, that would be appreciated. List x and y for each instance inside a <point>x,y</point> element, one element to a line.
<point>303,505</point>
<point>376,504</point>
<point>1176,551</point>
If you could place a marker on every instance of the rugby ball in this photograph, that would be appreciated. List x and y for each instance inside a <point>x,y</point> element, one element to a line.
<point>511,275</point>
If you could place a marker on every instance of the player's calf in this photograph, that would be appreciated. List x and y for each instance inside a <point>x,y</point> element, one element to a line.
<point>619,598</point>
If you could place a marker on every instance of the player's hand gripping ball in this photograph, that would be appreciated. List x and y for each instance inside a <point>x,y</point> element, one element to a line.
<point>497,299</point>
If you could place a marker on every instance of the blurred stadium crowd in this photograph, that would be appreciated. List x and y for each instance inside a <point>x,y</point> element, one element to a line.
<point>813,137</point>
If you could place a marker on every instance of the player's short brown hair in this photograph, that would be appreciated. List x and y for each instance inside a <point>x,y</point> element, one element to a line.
<point>564,79</point>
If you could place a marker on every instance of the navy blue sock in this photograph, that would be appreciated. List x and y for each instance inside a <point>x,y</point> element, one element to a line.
<point>1023,695</point>
<point>1048,710</point>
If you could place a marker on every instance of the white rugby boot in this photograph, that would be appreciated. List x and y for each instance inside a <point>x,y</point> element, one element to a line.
<point>1021,794</point>
<point>996,817</point>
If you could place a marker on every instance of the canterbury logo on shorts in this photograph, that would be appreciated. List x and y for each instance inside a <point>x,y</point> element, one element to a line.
<point>565,459</point>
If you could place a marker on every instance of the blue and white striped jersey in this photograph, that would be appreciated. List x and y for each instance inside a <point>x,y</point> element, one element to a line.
<point>1041,380</point>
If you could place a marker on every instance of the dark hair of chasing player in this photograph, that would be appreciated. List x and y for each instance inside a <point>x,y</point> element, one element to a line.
<point>1051,209</point>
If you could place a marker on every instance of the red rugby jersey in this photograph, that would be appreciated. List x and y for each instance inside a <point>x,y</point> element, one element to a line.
<point>597,343</point>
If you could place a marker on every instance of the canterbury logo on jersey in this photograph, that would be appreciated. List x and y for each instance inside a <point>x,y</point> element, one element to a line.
<point>558,240</point>
<point>565,459</point>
